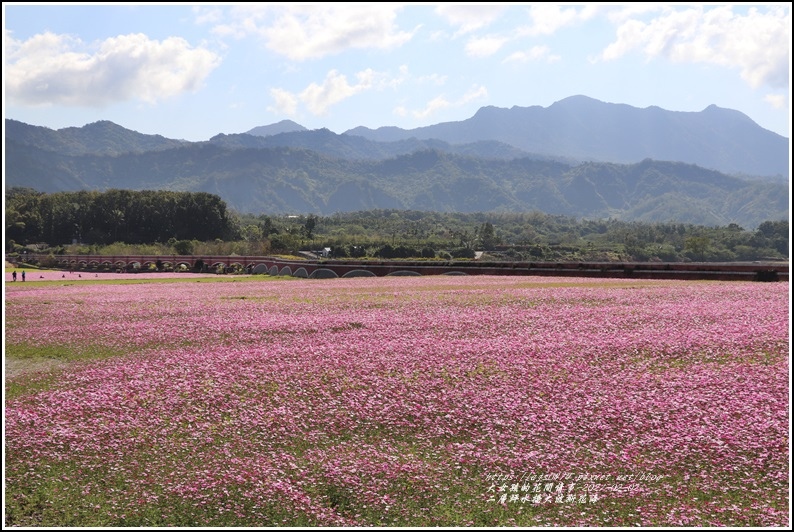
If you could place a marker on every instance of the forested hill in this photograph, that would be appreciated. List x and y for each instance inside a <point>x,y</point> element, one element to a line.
<point>291,180</point>
<point>101,137</point>
<point>578,157</point>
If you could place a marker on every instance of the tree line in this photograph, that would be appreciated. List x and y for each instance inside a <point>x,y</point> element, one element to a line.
<point>187,223</point>
<point>385,233</point>
<point>134,217</point>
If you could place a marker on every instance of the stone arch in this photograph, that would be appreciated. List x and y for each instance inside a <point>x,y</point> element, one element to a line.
<point>323,273</point>
<point>260,268</point>
<point>181,263</point>
<point>301,272</point>
<point>285,271</point>
<point>273,270</point>
<point>358,273</point>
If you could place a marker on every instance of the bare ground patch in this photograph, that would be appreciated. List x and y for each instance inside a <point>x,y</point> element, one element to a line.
<point>14,367</point>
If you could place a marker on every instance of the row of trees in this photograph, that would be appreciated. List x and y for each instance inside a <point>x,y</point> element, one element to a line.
<point>518,236</point>
<point>134,217</point>
<point>165,222</point>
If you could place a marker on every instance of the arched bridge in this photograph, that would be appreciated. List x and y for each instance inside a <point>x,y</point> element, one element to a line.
<point>148,262</point>
<point>313,269</point>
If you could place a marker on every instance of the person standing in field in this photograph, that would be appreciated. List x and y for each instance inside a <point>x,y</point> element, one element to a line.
<point>14,275</point>
<point>23,276</point>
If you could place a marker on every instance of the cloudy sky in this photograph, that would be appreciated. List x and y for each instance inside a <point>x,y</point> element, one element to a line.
<point>193,71</point>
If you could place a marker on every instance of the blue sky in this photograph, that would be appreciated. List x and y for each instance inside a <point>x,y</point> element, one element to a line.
<point>193,71</point>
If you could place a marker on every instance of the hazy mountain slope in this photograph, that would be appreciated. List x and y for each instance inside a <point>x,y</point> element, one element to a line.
<point>353,147</point>
<point>291,180</point>
<point>99,137</point>
<point>285,126</point>
<point>586,129</point>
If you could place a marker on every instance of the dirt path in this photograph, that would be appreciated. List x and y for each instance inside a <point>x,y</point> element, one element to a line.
<point>14,367</point>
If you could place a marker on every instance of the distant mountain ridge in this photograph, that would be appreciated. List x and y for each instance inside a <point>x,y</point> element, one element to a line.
<point>455,166</point>
<point>575,129</point>
<point>354,147</point>
<point>285,126</point>
<point>583,128</point>
<point>98,137</point>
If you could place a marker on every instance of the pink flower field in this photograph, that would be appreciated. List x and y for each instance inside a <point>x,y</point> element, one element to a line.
<point>62,276</point>
<point>399,401</point>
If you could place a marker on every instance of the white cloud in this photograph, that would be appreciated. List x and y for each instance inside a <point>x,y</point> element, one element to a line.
<point>59,69</point>
<point>207,15</point>
<point>620,14</point>
<point>536,53</point>
<point>432,107</point>
<point>590,11</point>
<point>758,43</point>
<point>475,93</point>
<point>777,101</point>
<point>546,19</point>
<point>438,36</point>
<point>434,79</point>
<point>285,102</point>
<point>302,32</point>
<point>335,88</point>
<point>629,36</point>
<point>440,102</point>
<point>484,46</point>
<point>469,17</point>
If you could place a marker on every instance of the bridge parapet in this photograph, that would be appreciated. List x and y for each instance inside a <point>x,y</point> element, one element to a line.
<point>764,272</point>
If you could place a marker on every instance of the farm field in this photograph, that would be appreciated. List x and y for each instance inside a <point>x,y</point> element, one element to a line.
<point>397,401</point>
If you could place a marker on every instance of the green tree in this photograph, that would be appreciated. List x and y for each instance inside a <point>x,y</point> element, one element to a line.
<point>183,247</point>
<point>309,226</point>
<point>488,236</point>
<point>697,246</point>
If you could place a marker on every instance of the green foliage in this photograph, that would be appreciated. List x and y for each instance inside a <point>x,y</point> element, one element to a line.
<point>524,236</point>
<point>183,247</point>
<point>170,223</point>
<point>488,238</point>
<point>291,179</point>
<point>462,253</point>
<point>134,217</point>
<point>309,226</point>
<point>49,262</point>
<point>696,246</point>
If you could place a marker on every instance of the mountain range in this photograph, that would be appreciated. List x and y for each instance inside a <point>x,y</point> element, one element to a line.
<point>578,157</point>
<point>590,130</point>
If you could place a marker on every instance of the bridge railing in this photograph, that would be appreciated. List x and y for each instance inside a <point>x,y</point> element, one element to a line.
<point>669,270</point>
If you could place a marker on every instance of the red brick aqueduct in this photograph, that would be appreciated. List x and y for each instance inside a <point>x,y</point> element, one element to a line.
<point>328,268</point>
